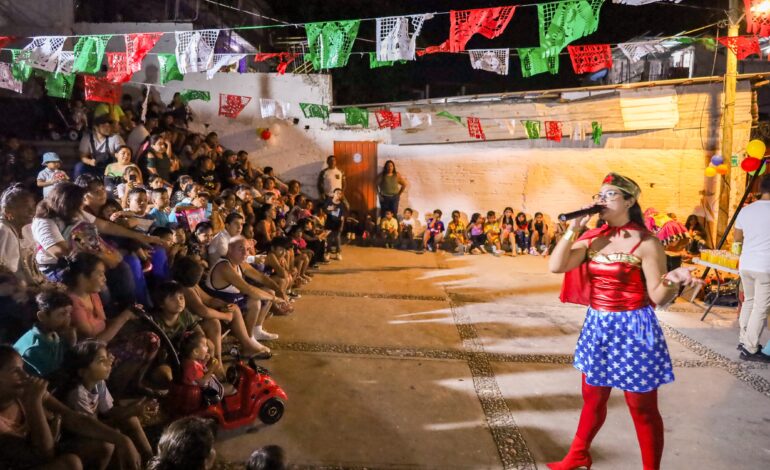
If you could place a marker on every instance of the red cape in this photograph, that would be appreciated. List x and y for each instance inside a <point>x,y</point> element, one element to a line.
<point>576,288</point>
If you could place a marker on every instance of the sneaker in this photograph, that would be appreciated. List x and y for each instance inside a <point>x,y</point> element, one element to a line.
<point>758,356</point>
<point>742,349</point>
<point>339,256</point>
<point>532,251</point>
<point>259,334</point>
<point>294,295</point>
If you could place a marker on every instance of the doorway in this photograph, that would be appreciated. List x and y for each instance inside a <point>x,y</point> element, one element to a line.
<point>358,160</point>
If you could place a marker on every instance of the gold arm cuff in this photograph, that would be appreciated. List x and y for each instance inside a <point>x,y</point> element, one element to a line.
<point>570,235</point>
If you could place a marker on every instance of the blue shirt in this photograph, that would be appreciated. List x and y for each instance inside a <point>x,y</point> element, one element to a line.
<point>41,354</point>
<point>160,218</point>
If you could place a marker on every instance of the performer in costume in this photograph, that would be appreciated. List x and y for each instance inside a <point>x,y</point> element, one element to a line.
<point>619,272</point>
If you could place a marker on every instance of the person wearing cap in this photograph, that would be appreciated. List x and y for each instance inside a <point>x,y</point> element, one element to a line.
<point>51,174</point>
<point>619,272</point>
<point>98,147</point>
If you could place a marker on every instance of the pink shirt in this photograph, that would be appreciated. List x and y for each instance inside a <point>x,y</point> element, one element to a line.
<point>85,318</point>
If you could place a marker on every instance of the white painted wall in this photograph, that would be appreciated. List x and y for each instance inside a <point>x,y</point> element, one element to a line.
<point>470,177</point>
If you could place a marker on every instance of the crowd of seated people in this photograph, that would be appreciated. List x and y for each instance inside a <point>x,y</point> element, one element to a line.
<point>156,232</point>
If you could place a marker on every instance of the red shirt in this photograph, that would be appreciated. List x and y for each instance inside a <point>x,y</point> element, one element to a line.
<point>192,371</point>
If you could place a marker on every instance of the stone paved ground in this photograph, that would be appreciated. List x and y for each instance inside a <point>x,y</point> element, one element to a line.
<point>395,360</point>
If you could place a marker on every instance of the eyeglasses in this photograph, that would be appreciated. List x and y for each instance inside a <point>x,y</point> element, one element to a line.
<point>610,195</point>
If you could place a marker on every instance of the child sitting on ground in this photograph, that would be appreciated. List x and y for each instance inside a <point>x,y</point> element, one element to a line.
<point>538,229</point>
<point>434,233</point>
<point>388,229</point>
<point>44,346</point>
<point>492,231</point>
<point>406,230</point>
<point>456,234</point>
<point>476,234</point>
<point>198,365</point>
<point>508,237</point>
<point>89,365</point>
<point>522,233</point>
<point>352,227</point>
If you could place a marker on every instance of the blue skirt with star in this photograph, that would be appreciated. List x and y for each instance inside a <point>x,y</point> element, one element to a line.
<point>625,350</point>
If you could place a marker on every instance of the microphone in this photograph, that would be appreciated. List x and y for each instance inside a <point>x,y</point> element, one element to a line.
<point>581,213</point>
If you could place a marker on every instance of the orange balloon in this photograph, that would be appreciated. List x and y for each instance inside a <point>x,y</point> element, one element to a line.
<point>722,169</point>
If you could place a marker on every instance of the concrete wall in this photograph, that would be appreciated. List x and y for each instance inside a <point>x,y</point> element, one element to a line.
<point>527,175</point>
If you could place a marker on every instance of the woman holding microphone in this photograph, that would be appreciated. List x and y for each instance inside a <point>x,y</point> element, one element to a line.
<point>619,272</point>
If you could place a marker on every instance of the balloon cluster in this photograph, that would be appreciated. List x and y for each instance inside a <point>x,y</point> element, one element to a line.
<point>718,166</point>
<point>755,151</point>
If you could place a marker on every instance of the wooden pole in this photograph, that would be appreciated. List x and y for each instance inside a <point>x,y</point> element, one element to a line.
<point>728,119</point>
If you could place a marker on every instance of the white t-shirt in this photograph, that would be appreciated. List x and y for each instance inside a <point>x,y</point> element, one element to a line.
<point>48,232</point>
<point>218,246</point>
<point>91,402</point>
<point>754,220</point>
<point>332,179</point>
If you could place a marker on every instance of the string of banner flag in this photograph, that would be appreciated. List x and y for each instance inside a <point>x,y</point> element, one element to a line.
<point>330,45</point>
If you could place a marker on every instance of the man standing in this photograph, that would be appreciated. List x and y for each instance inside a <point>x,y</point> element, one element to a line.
<point>330,178</point>
<point>98,147</point>
<point>753,229</point>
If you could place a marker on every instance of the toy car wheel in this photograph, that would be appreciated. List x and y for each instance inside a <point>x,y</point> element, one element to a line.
<point>73,135</point>
<point>54,135</point>
<point>272,411</point>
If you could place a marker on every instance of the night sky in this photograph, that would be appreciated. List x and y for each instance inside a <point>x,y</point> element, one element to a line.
<point>448,73</point>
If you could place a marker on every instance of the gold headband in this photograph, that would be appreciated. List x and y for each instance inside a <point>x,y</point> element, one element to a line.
<point>627,185</point>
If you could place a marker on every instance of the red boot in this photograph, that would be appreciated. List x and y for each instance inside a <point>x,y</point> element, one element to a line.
<point>577,457</point>
<point>591,419</point>
<point>649,426</point>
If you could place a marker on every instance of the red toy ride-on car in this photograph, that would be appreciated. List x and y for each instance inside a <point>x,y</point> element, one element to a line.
<point>256,393</point>
<point>257,396</point>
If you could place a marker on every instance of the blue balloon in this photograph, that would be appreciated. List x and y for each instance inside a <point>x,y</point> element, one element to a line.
<point>596,76</point>
<point>717,160</point>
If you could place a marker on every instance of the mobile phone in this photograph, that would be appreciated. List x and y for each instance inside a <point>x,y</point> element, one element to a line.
<point>132,178</point>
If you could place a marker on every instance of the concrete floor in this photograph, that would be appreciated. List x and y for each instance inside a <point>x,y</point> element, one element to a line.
<point>395,360</point>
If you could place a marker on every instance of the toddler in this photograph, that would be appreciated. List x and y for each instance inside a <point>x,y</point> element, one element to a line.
<point>198,364</point>
<point>52,173</point>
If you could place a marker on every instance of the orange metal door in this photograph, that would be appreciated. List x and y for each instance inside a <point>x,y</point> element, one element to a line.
<point>358,160</point>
